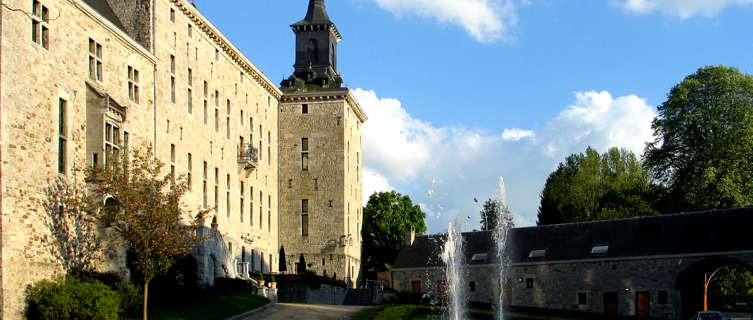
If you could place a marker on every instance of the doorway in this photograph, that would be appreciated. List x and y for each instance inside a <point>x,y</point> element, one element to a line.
<point>610,303</point>
<point>642,304</point>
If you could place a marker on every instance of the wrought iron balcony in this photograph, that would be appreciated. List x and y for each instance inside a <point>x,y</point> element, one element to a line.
<point>248,156</point>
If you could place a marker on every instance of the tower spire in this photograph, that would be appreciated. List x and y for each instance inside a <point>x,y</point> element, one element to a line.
<point>317,13</point>
<point>316,50</point>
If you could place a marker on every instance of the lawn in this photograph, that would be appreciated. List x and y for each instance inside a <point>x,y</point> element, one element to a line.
<point>415,312</point>
<point>208,307</point>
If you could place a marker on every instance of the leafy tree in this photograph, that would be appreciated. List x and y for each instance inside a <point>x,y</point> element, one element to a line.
<point>734,284</point>
<point>68,215</point>
<point>589,186</point>
<point>491,210</point>
<point>387,217</point>
<point>703,136</point>
<point>143,211</point>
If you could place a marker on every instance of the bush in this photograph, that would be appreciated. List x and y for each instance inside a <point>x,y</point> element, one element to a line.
<point>130,296</point>
<point>229,286</point>
<point>71,299</point>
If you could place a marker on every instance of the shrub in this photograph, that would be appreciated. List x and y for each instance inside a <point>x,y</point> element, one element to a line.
<point>229,286</point>
<point>130,296</point>
<point>71,299</point>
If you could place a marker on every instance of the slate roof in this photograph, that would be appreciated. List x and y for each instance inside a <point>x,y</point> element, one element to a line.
<point>687,233</point>
<point>316,14</point>
<point>106,11</point>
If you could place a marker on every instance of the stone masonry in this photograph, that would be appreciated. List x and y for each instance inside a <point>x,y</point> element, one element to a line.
<point>200,103</point>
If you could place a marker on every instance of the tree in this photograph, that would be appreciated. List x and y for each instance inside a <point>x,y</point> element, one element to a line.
<point>283,264</point>
<point>68,215</point>
<point>703,136</point>
<point>387,217</point>
<point>589,186</point>
<point>142,209</point>
<point>491,211</point>
<point>733,285</point>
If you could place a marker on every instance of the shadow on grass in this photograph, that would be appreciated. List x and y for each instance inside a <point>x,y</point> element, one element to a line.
<point>207,307</point>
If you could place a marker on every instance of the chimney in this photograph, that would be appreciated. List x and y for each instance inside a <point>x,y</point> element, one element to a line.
<point>410,237</point>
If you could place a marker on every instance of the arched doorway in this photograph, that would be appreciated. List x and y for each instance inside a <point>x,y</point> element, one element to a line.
<point>691,283</point>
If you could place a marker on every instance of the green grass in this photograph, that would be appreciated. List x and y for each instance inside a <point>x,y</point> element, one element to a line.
<point>209,307</point>
<point>405,312</point>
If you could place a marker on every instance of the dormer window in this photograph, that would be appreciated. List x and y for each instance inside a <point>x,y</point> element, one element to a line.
<point>537,254</point>
<point>600,250</point>
<point>479,257</point>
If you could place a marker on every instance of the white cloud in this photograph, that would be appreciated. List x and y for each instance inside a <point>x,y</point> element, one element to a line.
<point>484,20</point>
<point>516,134</point>
<point>444,168</point>
<point>601,121</point>
<point>681,8</point>
<point>374,182</point>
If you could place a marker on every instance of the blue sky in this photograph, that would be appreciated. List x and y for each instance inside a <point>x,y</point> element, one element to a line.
<point>461,93</point>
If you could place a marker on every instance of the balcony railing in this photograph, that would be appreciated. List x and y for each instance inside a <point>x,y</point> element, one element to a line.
<point>248,156</point>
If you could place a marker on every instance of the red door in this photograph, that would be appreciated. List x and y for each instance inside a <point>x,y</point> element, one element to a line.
<point>416,286</point>
<point>610,303</point>
<point>642,304</point>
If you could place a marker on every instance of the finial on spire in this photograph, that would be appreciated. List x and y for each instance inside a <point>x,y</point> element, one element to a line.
<point>317,12</point>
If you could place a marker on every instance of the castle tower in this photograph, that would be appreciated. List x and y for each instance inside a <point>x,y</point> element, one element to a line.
<point>320,156</point>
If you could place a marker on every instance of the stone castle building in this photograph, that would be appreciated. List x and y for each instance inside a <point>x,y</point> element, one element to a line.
<point>645,267</point>
<point>278,167</point>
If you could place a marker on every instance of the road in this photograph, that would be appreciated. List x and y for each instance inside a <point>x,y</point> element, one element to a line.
<point>287,311</point>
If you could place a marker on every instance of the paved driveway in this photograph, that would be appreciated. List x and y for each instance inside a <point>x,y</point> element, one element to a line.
<point>305,312</point>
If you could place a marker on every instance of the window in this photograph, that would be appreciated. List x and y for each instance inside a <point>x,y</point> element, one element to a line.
<point>216,188</point>
<point>216,54</point>
<point>172,15</point>
<point>204,186</point>
<point>269,213</point>
<point>227,197</point>
<point>189,100</point>
<point>133,84</point>
<point>305,225</point>
<point>600,250</point>
<point>172,163</point>
<point>582,298</point>
<point>190,31</point>
<point>112,143</point>
<point>663,297</point>
<point>189,168</point>
<point>62,136</point>
<point>529,283</point>
<point>95,60</point>
<point>304,154</point>
<point>472,286</point>
<point>251,205</point>
<point>242,200</point>
<point>40,33</point>
<point>479,257</point>
<point>216,111</point>
<point>172,89</point>
<point>304,109</point>
<point>536,254</point>
<point>261,209</point>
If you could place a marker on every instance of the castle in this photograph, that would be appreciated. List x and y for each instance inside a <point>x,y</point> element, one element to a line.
<point>278,167</point>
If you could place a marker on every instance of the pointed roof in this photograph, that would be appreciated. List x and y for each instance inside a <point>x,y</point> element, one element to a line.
<point>317,13</point>
<point>317,16</point>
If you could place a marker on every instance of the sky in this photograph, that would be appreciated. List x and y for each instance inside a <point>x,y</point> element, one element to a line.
<point>462,93</point>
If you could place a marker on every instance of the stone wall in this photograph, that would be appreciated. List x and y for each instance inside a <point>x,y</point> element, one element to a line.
<point>244,105</point>
<point>557,285</point>
<point>34,79</point>
<point>331,183</point>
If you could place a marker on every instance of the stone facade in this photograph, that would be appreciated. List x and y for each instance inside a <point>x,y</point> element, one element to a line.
<point>199,104</point>
<point>557,286</point>
<point>330,128</point>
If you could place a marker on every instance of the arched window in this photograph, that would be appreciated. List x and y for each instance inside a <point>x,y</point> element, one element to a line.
<point>332,56</point>
<point>313,50</point>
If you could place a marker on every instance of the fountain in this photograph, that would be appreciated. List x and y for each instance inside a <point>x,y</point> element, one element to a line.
<point>453,258</point>
<point>504,223</point>
<point>452,255</point>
